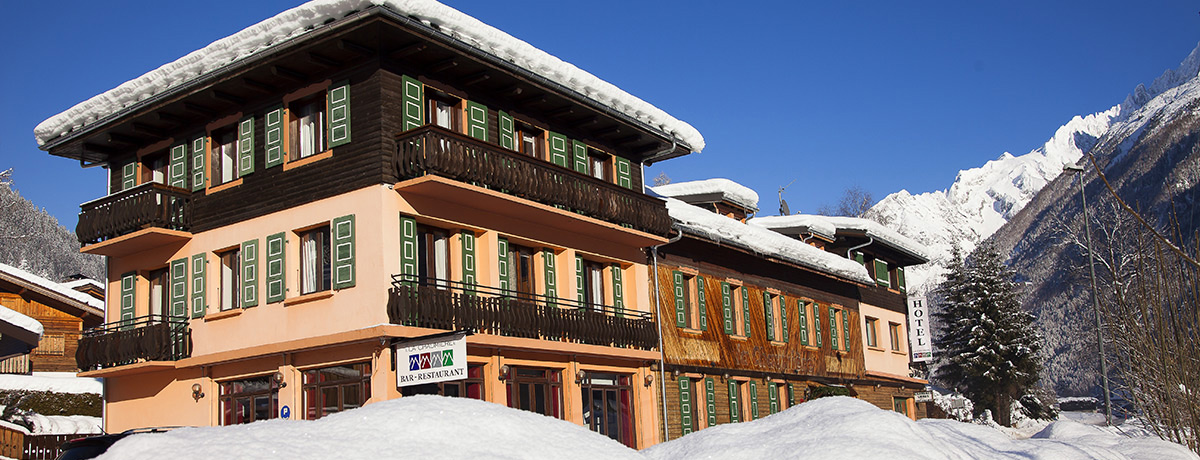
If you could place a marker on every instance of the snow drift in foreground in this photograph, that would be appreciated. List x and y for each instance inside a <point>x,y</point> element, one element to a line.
<point>847,428</point>
<point>58,382</point>
<point>435,427</point>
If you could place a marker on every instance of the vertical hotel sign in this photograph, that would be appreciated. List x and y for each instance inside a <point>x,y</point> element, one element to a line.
<point>431,360</point>
<point>918,330</point>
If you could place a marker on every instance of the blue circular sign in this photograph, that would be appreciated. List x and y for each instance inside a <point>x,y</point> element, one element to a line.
<point>285,412</point>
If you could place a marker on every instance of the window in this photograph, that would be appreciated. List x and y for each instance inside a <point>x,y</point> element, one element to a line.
<point>51,344</point>
<point>739,310</point>
<point>442,112</point>
<point>433,256</point>
<point>470,387</point>
<point>608,405</point>
<point>900,405</point>
<point>248,400</point>
<point>742,401</point>
<point>895,332</point>
<point>224,156</point>
<point>231,286</point>
<point>335,389</point>
<point>598,164</point>
<point>779,397</point>
<point>154,168</point>
<point>774,321</point>
<point>593,284</point>
<point>530,141</point>
<point>306,127</point>
<point>536,390</point>
<point>870,331</point>
<point>314,260</point>
<point>521,260</point>
<point>160,296</point>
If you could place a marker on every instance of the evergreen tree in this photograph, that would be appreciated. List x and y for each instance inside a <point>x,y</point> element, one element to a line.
<point>989,346</point>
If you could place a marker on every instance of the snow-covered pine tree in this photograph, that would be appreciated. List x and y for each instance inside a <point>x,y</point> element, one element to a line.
<point>988,342</point>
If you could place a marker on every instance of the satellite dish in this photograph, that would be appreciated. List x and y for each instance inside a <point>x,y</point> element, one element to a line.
<point>783,208</point>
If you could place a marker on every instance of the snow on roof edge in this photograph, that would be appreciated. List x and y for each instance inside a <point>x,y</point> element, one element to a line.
<point>57,288</point>
<point>813,223</point>
<point>732,191</point>
<point>311,16</point>
<point>22,321</point>
<point>881,233</point>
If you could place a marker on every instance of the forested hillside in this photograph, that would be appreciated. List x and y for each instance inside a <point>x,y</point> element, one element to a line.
<point>33,240</point>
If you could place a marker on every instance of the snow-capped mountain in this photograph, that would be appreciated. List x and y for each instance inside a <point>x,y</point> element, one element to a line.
<point>984,198</point>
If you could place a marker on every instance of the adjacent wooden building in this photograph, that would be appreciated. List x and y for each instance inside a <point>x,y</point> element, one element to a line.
<point>63,311</point>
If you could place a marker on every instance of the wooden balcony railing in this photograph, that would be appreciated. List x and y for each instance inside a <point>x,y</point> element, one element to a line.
<point>146,338</point>
<point>434,150</point>
<point>448,305</point>
<point>147,205</point>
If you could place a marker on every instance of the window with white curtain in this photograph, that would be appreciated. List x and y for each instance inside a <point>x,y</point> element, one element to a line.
<point>314,260</point>
<point>231,268</point>
<point>224,156</point>
<point>307,128</point>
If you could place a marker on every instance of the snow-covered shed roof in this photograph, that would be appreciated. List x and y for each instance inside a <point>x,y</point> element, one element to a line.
<point>314,15</point>
<point>51,289</point>
<point>723,230</point>
<point>829,226</point>
<point>797,224</point>
<point>710,190</point>
<point>19,334</point>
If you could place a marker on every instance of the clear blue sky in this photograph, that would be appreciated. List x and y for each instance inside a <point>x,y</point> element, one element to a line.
<point>881,94</point>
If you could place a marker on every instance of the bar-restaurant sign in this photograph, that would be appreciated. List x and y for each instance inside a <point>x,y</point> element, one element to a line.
<point>431,360</point>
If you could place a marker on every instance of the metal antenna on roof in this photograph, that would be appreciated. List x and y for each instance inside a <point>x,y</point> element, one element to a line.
<point>783,207</point>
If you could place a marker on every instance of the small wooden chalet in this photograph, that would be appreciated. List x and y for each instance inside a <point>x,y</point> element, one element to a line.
<point>63,312</point>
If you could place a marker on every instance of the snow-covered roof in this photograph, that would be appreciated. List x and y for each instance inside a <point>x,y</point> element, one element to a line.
<point>717,189</point>
<point>880,233</point>
<point>76,284</point>
<point>52,289</point>
<point>58,382</point>
<point>724,230</point>
<point>797,223</point>
<point>312,16</point>
<point>15,318</point>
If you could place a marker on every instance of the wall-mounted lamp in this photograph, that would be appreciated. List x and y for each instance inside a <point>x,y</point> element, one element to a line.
<point>504,372</point>
<point>676,374</point>
<point>278,378</point>
<point>726,376</point>
<point>579,376</point>
<point>196,391</point>
<point>877,386</point>
<point>649,379</point>
<point>767,378</point>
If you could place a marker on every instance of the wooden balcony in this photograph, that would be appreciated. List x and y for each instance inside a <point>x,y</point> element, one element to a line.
<point>142,339</point>
<point>147,206</point>
<point>446,305</point>
<point>434,150</point>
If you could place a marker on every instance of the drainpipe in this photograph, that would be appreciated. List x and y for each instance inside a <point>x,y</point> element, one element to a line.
<point>662,369</point>
<point>850,252</point>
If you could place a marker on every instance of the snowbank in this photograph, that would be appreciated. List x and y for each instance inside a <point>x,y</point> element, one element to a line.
<point>65,383</point>
<point>311,16</point>
<point>847,428</point>
<point>729,190</point>
<point>425,427</point>
<point>724,230</point>
<point>64,424</point>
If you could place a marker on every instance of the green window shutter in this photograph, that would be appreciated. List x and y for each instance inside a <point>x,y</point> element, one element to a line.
<point>198,163</point>
<point>558,149</point>
<point>179,285</point>
<point>754,400</point>
<point>702,303</point>
<point>178,173</point>
<point>413,99</point>
<point>624,176</point>
<point>746,309</point>
<point>618,287</point>
<point>680,314</point>
<point>249,256</point>
<point>791,389</point>
<point>339,113</point>
<point>900,279</point>
<point>551,279</point>
<point>773,398</point>
<point>468,260</point>
<point>579,153</point>
<point>477,125</point>
<point>858,257</point>
<point>128,294</point>
<point>408,246</point>
<point>273,124</point>
<point>685,405</point>
<point>710,401</point>
<point>276,288</point>
<point>783,319</point>
<point>846,330</point>
<point>802,308</point>
<point>245,146</point>
<point>727,307</point>
<point>734,408</point>
<point>343,236</point>
<point>833,328</point>
<point>881,273</point>
<point>129,175</point>
<point>502,247</point>
<point>769,316</point>
<point>580,288</point>
<point>508,137</point>
<point>198,290</point>
<point>816,314</point>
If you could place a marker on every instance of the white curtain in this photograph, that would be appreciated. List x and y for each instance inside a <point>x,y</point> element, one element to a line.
<point>308,133</point>
<point>310,265</point>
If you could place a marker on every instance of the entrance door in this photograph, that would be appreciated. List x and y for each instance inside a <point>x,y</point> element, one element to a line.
<point>607,406</point>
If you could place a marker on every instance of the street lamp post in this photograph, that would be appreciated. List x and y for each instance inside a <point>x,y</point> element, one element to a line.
<point>1087,229</point>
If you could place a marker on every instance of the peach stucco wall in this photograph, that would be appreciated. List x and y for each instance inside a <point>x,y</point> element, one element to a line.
<point>882,358</point>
